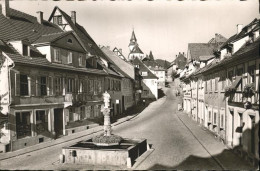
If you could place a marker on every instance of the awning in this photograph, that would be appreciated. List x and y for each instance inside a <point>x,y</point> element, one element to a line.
<point>236,82</point>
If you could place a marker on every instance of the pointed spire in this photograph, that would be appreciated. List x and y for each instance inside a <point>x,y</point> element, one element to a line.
<point>133,38</point>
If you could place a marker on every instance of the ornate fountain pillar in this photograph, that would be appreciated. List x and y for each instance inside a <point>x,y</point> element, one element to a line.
<point>106,113</point>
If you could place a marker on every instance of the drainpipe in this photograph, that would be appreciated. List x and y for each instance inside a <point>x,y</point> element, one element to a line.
<point>9,82</point>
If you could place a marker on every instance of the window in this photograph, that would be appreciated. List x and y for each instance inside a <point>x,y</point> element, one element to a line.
<point>43,86</point>
<point>210,84</point>
<point>145,92</point>
<point>57,55</point>
<point>71,114</point>
<point>23,125</point>
<point>57,19</point>
<point>70,85</point>
<point>91,86</point>
<point>69,57</point>
<point>97,89</point>
<point>216,83</point>
<point>80,86</point>
<point>215,118</point>
<point>24,85</point>
<point>25,50</point>
<point>144,73</point>
<point>58,86</point>
<point>41,121</point>
<point>69,41</point>
<point>251,72</point>
<point>222,120</point>
<point>80,60</point>
<point>223,82</point>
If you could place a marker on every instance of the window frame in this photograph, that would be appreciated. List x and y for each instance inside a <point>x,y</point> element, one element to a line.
<point>69,57</point>
<point>24,84</point>
<point>43,86</point>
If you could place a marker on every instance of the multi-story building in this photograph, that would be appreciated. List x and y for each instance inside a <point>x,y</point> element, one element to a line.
<point>176,66</point>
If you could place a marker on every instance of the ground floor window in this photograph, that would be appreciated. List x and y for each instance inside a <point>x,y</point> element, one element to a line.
<point>23,125</point>
<point>82,113</point>
<point>71,114</point>
<point>209,117</point>
<point>41,121</point>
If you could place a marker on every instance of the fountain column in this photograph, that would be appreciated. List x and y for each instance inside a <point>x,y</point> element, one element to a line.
<point>106,113</point>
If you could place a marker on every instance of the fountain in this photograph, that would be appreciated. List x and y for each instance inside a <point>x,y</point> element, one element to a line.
<point>105,149</point>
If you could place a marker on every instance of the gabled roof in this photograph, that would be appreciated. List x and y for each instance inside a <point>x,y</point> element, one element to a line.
<point>133,37</point>
<point>144,68</point>
<point>125,68</point>
<point>201,49</point>
<point>206,58</point>
<point>88,42</point>
<point>51,37</point>
<point>121,55</point>
<point>17,58</point>
<point>218,39</point>
<point>180,61</point>
<point>136,49</point>
<point>24,26</point>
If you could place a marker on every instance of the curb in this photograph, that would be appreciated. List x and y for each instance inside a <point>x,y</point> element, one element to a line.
<point>92,131</point>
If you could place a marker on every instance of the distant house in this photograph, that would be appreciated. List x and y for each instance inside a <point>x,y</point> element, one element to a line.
<point>177,66</point>
<point>149,80</point>
<point>119,53</point>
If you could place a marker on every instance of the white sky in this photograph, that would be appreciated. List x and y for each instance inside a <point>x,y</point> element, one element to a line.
<point>165,27</point>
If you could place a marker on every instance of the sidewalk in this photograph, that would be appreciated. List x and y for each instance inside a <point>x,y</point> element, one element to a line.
<point>226,158</point>
<point>97,129</point>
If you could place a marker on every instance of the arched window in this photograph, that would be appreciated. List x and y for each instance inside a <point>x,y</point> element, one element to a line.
<point>69,41</point>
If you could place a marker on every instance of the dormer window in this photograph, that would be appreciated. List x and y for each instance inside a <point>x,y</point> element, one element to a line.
<point>69,57</point>
<point>144,73</point>
<point>69,41</point>
<point>57,55</point>
<point>57,20</point>
<point>80,60</point>
<point>25,50</point>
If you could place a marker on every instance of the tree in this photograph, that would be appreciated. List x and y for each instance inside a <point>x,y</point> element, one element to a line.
<point>151,58</point>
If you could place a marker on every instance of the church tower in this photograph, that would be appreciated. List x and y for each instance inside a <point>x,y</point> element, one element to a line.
<point>133,41</point>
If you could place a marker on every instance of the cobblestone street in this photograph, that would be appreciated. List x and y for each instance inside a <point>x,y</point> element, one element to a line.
<point>178,143</point>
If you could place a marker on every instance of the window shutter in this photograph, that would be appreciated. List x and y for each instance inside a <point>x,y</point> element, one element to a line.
<point>33,84</point>
<point>54,90</point>
<point>17,84</point>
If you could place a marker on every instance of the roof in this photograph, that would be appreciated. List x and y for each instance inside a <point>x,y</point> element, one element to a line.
<point>180,61</point>
<point>133,37</point>
<point>124,67</point>
<point>51,37</point>
<point>17,58</point>
<point>88,43</point>
<point>144,68</point>
<point>201,49</point>
<point>206,58</point>
<point>218,39</point>
<point>254,25</point>
<point>120,52</point>
<point>24,26</point>
<point>153,65</point>
<point>136,49</point>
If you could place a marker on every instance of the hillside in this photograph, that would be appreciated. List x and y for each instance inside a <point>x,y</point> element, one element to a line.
<point>162,63</point>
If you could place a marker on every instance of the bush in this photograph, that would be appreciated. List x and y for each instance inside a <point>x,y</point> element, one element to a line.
<point>229,91</point>
<point>249,90</point>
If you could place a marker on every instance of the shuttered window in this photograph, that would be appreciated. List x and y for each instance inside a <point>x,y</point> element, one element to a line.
<point>43,86</point>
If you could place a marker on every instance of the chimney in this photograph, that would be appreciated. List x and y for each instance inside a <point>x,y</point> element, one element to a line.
<point>73,16</point>
<point>40,17</point>
<point>5,8</point>
<point>108,47</point>
<point>176,56</point>
<point>179,53</point>
<point>183,53</point>
<point>239,28</point>
<point>120,50</point>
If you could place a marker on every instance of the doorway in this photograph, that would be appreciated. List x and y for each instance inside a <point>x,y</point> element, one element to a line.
<point>58,121</point>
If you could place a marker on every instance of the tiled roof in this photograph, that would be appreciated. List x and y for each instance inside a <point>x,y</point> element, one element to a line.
<point>9,50</point>
<point>23,26</point>
<point>243,33</point>
<point>152,65</point>
<point>83,35</point>
<point>206,58</point>
<point>124,67</point>
<point>201,49</point>
<point>51,37</point>
<point>136,49</point>
<point>180,61</point>
<point>144,68</point>
<point>218,39</point>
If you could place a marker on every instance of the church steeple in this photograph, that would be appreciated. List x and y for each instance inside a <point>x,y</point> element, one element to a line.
<point>133,41</point>
<point>133,38</point>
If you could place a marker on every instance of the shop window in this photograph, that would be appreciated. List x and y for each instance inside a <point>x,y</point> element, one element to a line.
<point>23,125</point>
<point>41,121</point>
<point>24,85</point>
<point>43,86</point>
<point>57,55</point>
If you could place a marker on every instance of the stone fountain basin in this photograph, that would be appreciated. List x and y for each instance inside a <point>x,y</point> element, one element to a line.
<point>86,152</point>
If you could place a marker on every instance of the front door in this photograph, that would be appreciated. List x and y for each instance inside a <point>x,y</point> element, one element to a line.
<point>58,121</point>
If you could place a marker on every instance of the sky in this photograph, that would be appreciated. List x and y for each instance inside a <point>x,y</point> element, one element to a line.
<point>164,27</point>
